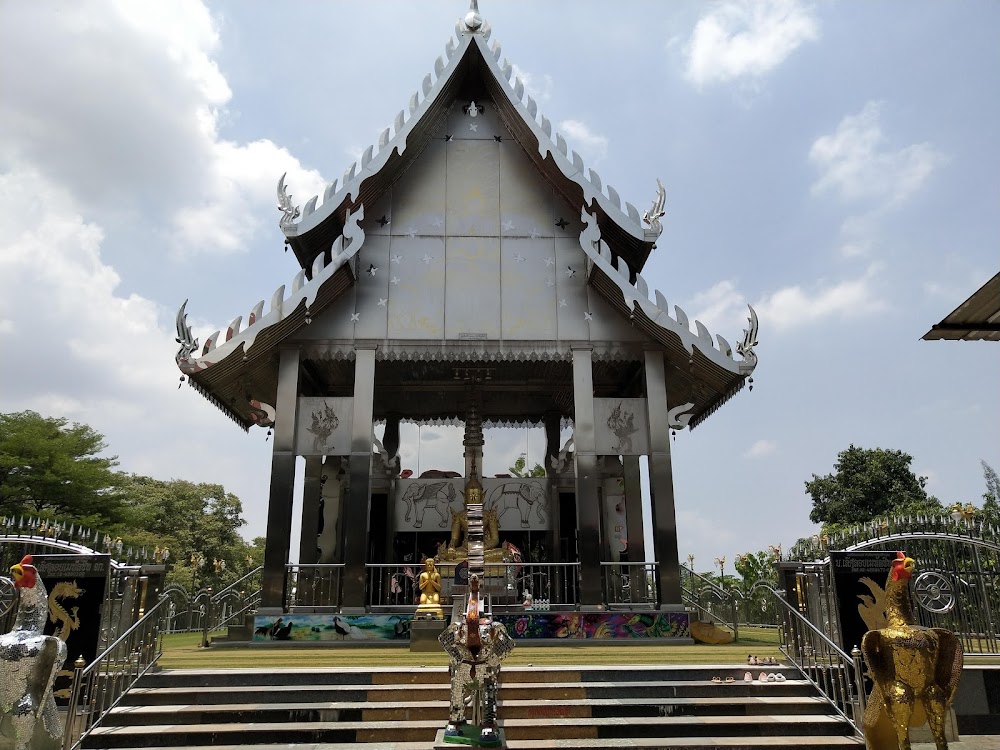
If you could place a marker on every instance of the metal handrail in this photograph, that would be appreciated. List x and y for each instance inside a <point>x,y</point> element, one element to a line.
<point>836,674</point>
<point>233,586</point>
<point>99,687</point>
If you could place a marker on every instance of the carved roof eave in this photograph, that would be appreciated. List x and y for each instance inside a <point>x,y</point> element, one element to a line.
<point>561,165</point>
<point>242,351</point>
<point>709,361</point>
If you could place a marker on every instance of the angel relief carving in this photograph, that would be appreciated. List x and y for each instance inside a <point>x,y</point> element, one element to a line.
<point>323,422</point>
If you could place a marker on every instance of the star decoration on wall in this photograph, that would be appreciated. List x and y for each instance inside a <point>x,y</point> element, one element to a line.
<point>437,222</point>
<point>508,225</point>
<point>394,280</point>
<point>549,283</point>
<point>474,127</point>
<point>562,302</point>
<point>411,232</point>
<point>518,258</point>
<point>588,316</point>
<point>562,223</point>
<point>382,301</point>
<point>397,259</point>
<point>372,269</point>
<point>535,234</point>
<point>550,261</point>
<point>426,260</point>
<point>449,138</point>
<point>355,317</point>
<point>570,272</point>
<point>498,138</point>
<point>383,221</point>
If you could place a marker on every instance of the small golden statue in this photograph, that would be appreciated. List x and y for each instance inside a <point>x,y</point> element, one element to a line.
<point>430,591</point>
<point>915,669</point>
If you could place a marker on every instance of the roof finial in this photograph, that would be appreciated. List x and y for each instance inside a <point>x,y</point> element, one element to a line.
<point>473,20</point>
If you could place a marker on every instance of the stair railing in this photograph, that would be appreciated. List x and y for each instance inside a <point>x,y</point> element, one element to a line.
<point>238,599</point>
<point>100,686</point>
<point>696,589</point>
<point>836,674</point>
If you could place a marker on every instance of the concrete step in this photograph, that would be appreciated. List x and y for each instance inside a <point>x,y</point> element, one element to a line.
<point>424,730</point>
<point>536,708</point>
<point>320,693</point>
<point>640,743</point>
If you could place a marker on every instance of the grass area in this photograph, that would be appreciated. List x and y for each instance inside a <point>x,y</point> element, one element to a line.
<point>181,651</point>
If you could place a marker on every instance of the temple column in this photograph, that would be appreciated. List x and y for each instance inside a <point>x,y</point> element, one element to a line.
<point>552,421</point>
<point>311,492</point>
<point>661,483</point>
<point>358,498</point>
<point>279,508</point>
<point>633,510</point>
<point>588,509</point>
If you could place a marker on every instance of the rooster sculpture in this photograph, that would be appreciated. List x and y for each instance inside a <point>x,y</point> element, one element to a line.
<point>915,670</point>
<point>29,662</point>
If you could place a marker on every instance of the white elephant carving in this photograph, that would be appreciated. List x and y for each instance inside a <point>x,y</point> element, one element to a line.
<point>521,495</point>
<point>437,495</point>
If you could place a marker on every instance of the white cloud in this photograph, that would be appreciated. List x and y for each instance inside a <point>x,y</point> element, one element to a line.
<point>718,307</point>
<point>855,165</point>
<point>746,39</point>
<point>6,326</point>
<point>795,306</point>
<point>538,87</point>
<point>122,104</point>
<point>761,449</point>
<point>593,147</point>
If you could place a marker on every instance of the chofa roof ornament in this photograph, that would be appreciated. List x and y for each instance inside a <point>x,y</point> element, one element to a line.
<point>473,21</point>
<point>654,213</point>
<point>289,212</point>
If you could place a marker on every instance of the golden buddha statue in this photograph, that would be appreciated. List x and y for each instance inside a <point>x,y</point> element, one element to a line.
<point>458,543</point>
<point>430,591</point>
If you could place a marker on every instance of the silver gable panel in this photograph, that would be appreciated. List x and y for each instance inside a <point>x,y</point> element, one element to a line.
<point>418,199</point>
<point>373,288</point>
<point>473,188</point>
<point>572,299</point>
<point>472,296</point>
<point>416,288</point>
<point>528,288</point>
<point>483,126</point>
<point>608,324</point>
<point>525,199</point>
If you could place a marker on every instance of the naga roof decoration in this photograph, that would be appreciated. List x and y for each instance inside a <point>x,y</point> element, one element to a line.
<point>359,181</point>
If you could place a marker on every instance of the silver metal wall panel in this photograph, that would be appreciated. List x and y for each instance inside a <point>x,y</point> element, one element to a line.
<point>473,188</point>
<point>567,219</point>
<point>528,284</point>
<point>472,294</point>
<point>608,324</point>
<point>373,288</point>
<point>416,288</point>
<point>482,127</point>
<point>333,323</point>
<point>418,199</point>
<point>572,301</point>
<point>525,199</point>
<point>324,426</point>
<point>378,217</point>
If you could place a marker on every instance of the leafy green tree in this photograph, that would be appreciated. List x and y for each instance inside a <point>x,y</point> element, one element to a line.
<point>194,521</point>
<point>868,483</point>
<point>53,468</point>
<point>520,465</point>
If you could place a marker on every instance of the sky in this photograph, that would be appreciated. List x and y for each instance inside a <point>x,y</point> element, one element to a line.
<point>834,164</point>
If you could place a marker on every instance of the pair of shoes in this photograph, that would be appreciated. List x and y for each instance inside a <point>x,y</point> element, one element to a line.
<point>716,679</point>
<point>778,677</point>
<point>730,680</point>
<point>748,677</point>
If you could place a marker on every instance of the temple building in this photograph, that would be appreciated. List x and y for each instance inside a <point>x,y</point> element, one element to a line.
<point>469,270</point>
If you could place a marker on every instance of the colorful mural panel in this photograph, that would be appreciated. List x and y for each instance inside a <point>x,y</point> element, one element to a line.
<point>597,625</point>
<point>305,628</point>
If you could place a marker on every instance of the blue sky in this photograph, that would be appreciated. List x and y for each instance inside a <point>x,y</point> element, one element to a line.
<point>836,165</point>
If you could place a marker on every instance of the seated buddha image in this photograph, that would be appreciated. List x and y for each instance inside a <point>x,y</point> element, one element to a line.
<point>458,543</point>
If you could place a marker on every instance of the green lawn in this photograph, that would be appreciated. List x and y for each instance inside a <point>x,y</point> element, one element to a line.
<point>181,651</point>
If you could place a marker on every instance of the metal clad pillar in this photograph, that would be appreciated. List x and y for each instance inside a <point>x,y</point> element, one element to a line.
<point>279,508</point>
<point>588,508</point>
<point>633,510</point>
<point>311,493</point>
<point>661,483</point>
<point>356,506</point>
<point>552,422</point>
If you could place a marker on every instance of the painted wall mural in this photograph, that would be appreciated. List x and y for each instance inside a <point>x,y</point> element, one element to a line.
<point>427,504</point>
<point>527,625</point>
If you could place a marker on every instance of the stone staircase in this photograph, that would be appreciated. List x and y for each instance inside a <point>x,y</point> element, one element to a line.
<point>403,709</point>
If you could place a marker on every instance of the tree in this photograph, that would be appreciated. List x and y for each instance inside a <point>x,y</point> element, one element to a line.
<point>868,483</point>
<point>518,469</point>
<point>991,498</point>
<point>50,467</point>
<point>190,520</point>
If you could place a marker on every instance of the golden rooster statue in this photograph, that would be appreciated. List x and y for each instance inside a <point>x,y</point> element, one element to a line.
<point>915,669</point>
<point>29,662</point>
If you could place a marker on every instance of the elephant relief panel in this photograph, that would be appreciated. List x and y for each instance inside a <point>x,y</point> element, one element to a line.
<point>427,504</point>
